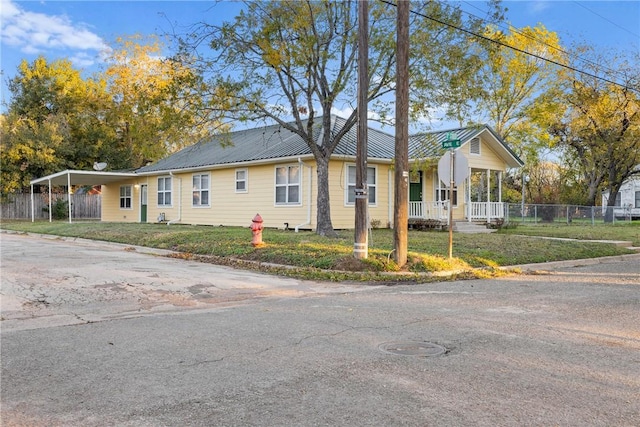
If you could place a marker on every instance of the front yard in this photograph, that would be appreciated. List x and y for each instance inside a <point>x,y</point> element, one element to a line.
<point>312,253</point>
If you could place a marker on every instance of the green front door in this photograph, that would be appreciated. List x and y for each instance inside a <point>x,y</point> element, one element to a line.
<point>415,187</point>
<point>143,203</point>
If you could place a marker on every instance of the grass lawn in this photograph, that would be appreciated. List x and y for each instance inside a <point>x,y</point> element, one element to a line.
<point>427,250</point>
<point>626,231</point>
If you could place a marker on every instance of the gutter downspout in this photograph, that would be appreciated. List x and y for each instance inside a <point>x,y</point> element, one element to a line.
<point>301,163</point>
<point>179,200</point>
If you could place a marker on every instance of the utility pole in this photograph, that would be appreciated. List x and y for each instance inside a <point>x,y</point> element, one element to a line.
<point>401,206</point>
<point>361,243</point>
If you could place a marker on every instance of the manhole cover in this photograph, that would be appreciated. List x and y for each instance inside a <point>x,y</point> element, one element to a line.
<point>412,348</point>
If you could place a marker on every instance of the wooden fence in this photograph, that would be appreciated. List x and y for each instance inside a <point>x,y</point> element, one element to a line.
<point>83,206</point>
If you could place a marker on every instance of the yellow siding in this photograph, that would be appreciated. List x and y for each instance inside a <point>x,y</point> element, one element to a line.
<point>228,207</point>
<point>342,214</point>
<point>231,208</point>
<point>487,159</point>
<point>111,211</point>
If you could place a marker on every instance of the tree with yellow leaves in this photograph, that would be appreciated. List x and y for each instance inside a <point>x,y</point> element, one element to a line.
<point>517,78</point>
<point>597,121</point>
<point>157,100</point>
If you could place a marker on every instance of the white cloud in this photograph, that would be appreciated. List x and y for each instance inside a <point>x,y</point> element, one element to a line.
<point>536,7</point>
<point>34,33</point>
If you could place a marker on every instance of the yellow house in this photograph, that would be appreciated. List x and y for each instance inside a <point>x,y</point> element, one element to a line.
<point>271,171</point>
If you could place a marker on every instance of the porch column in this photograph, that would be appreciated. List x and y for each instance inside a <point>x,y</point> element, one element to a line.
<point>500,186</point>
<point>467,196</point>
<point>488,195</point>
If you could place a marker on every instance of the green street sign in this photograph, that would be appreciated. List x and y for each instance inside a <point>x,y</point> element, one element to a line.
<point>454,143</point>
<point>450,142</point>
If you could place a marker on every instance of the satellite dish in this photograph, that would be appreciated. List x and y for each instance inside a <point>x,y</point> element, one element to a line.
<point>99,166</point>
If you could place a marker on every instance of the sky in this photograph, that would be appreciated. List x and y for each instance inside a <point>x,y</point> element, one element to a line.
<point>81,30</point>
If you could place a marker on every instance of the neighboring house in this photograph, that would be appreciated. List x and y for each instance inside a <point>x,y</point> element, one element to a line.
<point>271,171</point>
<point>627,203</point>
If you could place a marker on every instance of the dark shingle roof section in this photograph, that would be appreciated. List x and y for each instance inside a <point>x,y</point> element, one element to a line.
<point>274,142</point>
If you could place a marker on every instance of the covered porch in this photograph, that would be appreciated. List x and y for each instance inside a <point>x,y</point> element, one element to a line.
<point>478,200</point>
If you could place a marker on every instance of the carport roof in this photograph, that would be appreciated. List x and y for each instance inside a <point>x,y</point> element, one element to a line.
<point>79,177</point>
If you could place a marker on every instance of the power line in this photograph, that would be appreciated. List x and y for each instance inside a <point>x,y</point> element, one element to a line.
<point>515,30</point>
<point>606,19</point>
<point>480,36</point>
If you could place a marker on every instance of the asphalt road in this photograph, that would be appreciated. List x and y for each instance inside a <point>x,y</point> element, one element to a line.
<point>103,335</point>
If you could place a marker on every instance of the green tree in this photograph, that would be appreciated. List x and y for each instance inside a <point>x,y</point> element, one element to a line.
<point>294,63</point>
<point>54,121</point>
<point>28,148</point>
<point>598,122</point>
<point>156,108</point>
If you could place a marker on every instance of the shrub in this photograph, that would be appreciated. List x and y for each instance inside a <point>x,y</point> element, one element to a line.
<point>59,209</point>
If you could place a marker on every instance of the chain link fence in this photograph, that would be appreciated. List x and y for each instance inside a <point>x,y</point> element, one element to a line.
<point>567,214</point>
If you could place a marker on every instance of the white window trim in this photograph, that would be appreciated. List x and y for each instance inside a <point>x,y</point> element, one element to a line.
<point>130,197</point>
<point>246,180</point>
<point>201,206</point>
<point>164,191</point>
<point>275,186</point>
<point>442,188</point>
<point>369,185</point>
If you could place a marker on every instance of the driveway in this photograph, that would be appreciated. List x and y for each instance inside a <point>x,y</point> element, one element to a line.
<point>50,281</point>
<point>102,335</point>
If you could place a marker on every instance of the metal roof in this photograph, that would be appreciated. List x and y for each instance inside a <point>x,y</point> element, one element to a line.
<point>275,142</point>
<point>79,177</point>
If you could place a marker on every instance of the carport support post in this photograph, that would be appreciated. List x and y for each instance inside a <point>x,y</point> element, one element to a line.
<point>69,195</point>
<point>33,209</point>
<point>50,203</point>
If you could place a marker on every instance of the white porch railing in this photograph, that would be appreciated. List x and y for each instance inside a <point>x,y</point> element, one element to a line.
<point>486,210</point>
<point>438,210</point>
<point>428,210</point>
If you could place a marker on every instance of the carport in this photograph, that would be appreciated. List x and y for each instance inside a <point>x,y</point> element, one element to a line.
<point>70,178</point>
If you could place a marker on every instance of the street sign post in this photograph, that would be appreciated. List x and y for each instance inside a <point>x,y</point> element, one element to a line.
<point>455,167</point>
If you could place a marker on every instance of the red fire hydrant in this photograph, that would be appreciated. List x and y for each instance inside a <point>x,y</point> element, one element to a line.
<point>256,230</point>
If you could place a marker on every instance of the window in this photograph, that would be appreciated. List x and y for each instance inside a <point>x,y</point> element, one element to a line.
<point>351,185</point>
<point>241,181</point>
<point>125,197</point>
<point>164,191</point>
<point>201,190</point>
<point>444,195</point>
<point>618,201</point>
<point>474,146</point>
<point>288,185</point>
<point>637,205</point>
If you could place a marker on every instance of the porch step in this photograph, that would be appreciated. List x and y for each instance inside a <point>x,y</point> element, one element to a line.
<point>471,227</point>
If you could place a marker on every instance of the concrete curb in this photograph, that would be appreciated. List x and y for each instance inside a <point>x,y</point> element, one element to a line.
<point>553,265</point>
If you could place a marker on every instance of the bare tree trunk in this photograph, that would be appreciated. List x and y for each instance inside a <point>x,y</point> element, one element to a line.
<point>324,227</point>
